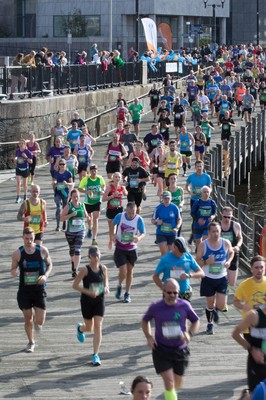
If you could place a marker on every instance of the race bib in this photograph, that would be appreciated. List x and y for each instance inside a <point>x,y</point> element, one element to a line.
<point>166,228</point>
<point>127,237</point>
<point>215,269</point>
<point>31,278</point>
<point>77,221</point>
<point>171,330</point>
<point>176,273</point>
<point>133,183</point>
<point>60,186</point>
<point>35,219</point>
<point>171,165</point>
<point>115,203</point>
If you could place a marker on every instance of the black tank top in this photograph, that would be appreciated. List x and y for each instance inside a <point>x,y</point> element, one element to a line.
<point>31,268</point>
<point>94,281</point>
<point>258,333</point>
<point>230,234</point>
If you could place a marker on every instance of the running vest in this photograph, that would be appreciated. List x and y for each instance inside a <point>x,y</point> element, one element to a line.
<point>126,231</point>
<point>31,267</point>
<point>77,223</point>
<point>216,270</point>
<point>205,128</point>
<point>172,164</point>
<point>83,155</point>
<point>258,333</point>
<point>70,164</point>
<point>114,152</point>
<point>93,281</point>
<point>116,202</point>
<point>142,158</point>
<point>229,234</point>
<point>185,142</point>
<point>176,196</point>
<point>37,214</point>
<point>95,187</point>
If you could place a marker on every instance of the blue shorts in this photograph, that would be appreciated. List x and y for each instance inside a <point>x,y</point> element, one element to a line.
<point>209,286</point>
<point>201,149</point>
<point>136,122</point>
<point>199,232</point>
<point>165,238</point>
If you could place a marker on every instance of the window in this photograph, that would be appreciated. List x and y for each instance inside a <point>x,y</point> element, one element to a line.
<point>79,25</point>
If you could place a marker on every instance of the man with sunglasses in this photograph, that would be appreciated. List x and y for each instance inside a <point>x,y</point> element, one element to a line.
<point>169,345</point>
<point>231,230</point>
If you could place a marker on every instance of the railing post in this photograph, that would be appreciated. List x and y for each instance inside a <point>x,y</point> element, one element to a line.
<point>243,151</point>
<point>237,159</point>
<point>231,185</point>
<point>5,80</point>
<point>29,83</point>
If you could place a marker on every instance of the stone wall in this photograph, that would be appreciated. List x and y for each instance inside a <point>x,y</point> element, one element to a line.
<point>17,118</point>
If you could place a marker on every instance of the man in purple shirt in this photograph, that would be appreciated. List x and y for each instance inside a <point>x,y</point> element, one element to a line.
<point>169,346</point>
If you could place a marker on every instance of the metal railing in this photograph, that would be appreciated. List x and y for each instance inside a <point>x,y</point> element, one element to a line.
<point>45,80</point>
<point>229,165</point>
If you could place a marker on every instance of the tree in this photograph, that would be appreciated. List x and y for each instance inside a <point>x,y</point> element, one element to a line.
<point>76,23</point>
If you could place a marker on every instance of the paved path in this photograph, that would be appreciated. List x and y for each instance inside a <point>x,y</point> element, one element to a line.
<point>59,368</point>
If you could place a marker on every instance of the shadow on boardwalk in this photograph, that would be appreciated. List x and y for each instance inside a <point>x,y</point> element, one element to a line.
<point>59,368</point>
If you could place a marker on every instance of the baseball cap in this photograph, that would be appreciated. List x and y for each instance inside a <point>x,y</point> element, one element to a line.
<point>166,195</point>
<point>180,243</point>
<point>93,167</point>
<point>94,251</point>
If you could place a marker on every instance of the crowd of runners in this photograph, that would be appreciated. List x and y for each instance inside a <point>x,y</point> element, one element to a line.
<point>135,162</point>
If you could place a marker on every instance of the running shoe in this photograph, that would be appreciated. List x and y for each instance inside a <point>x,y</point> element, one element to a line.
<point>25,197</point>
<point>184,174</point>
<point>89,234</point>
<point>209,329</point>
<point>80,335</point>
<point>18,199</point>
<point>30,347</point>
<point>118,292</point>
<point>95,360</point>
<point>127,298</point>
<point>189,166</point>
<point>216,316</point>
<point>94,243</point>
<point>225,309</point>
<point>57,229</point>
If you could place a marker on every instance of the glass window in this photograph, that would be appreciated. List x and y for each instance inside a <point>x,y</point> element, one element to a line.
<point>79,25</point>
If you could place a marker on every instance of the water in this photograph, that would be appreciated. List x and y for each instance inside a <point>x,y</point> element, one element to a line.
<point>253,193</point>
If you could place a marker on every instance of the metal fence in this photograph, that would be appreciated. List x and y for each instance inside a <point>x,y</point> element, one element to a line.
<point>229,165</point>
<point>44,80</point>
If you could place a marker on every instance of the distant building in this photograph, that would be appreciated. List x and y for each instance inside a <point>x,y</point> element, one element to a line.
<point>27,24</point>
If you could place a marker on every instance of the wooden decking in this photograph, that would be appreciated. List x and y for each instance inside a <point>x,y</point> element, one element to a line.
<point>59,368</point>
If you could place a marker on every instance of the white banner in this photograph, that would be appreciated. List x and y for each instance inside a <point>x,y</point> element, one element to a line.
<point>150,30</point>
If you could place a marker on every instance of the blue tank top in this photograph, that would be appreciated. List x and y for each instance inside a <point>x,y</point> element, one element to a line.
<point>185,142</point>
<point>216,270</point>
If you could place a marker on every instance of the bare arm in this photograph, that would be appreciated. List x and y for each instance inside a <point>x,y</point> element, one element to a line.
<point>157,281</point>
<point>14,264</point>
<point>21,212</point>
<point>146,327</point>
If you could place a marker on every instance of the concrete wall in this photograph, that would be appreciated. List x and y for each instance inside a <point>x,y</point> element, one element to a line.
<point>39,115</point>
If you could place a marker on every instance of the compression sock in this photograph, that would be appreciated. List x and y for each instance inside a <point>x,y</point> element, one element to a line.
<point>72,265</point>
<point>184,166</point>
<point>209,314</point>
<point>170,394</point>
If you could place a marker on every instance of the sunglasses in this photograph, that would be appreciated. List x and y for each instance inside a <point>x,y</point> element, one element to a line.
<point>225,216</point>
<point>61,164</point>
<point>175,293</point>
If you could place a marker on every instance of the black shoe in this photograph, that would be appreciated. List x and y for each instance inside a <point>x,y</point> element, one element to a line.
<point>74,273</point>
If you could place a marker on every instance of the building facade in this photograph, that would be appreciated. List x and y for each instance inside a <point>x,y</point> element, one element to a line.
<point>27,24</point>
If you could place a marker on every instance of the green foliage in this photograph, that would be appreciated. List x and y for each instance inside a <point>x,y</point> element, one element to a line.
<point>204,42</point>
<point>76,23</point>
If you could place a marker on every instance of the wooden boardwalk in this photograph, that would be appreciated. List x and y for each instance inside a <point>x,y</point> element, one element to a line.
<point>59,368</point>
